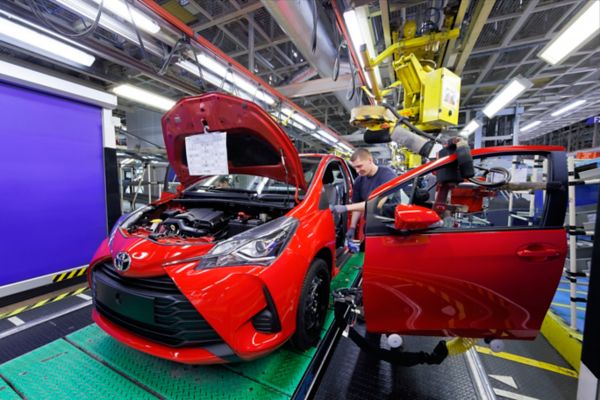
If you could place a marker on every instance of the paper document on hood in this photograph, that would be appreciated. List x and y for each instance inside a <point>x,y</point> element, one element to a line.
<point>207,154</point>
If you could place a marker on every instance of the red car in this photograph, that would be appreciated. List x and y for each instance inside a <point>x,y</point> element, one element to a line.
<point>232,265</point>
<point>478,257</point>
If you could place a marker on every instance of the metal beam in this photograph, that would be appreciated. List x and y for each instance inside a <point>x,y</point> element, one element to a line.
<point>449,52</point>
<point>195,9</point>
<point>542,7</point>
<point>263,34</point>
<point>251,43</point>
<point>385,21</point>
<point>262,46</point>
<point>316,86</point>
<point>229,17</point>
<point>482,11</point>
<point>508,37</point>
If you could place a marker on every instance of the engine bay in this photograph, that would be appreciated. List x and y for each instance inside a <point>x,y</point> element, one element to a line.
<point>171,224</point>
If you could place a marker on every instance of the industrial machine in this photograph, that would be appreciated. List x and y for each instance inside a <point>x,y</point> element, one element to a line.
<point>431,95</point>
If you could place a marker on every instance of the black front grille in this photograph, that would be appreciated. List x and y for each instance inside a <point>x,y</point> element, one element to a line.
<point>162,313</point>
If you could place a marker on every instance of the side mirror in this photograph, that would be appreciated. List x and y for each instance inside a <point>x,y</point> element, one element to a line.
<point>412,218</point>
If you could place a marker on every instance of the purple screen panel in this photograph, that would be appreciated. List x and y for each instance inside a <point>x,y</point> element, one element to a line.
<point>51,183</point>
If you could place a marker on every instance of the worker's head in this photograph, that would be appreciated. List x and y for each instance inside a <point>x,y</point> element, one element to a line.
<point>362,161</point>
<point>223,182</point>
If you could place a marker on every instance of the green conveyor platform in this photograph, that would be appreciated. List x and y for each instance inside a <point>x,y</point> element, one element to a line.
<point>89,364</point>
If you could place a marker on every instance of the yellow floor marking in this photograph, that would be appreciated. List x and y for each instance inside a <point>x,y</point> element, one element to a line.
<point>528,361</point>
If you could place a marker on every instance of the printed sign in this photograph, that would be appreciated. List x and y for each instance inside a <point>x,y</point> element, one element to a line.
<point>207,154</point>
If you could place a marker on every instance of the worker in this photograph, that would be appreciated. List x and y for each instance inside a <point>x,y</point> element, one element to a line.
<point>370,176</point>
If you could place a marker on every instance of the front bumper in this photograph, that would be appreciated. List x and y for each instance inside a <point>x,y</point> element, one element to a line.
<point>153,316</point>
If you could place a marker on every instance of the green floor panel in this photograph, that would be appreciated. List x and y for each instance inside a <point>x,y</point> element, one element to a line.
<point>59,370</point>
<point>169,379</point>
<point>281,370</point>
<point>346,276</point>
<point>6,392</point>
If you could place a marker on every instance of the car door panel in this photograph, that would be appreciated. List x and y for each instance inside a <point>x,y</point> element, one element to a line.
<point>466,288</point>
<point>487,281</point>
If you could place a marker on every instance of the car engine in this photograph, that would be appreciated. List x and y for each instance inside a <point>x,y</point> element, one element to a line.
<point>205,224</point>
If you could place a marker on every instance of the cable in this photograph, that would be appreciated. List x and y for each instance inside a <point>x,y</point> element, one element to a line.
<point>203,83</point>
<point>137,31</point>
<point>34,5</point>
<point>336,63</point>
<point>315,21</point>
<point>167,61</point>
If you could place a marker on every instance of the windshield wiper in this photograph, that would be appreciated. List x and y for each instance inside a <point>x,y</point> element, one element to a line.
<point>230,189</point>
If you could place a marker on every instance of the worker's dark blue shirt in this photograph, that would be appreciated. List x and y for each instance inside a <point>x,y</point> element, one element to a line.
<point>364,185</point>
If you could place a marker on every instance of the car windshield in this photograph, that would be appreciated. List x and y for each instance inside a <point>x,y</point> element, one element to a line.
<point>255,184</point>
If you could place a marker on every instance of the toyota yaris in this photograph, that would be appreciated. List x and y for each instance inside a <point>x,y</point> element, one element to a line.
<point>233,264</point>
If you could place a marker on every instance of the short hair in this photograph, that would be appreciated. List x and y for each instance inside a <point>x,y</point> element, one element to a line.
<point>361,153</point>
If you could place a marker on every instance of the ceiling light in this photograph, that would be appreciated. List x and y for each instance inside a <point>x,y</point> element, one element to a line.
<point>144,97</point>
<point>568,107</point>
<point>28,39</point>
<point>212,65</point>
<point>581,28</point>
<point>240,83</point>
<point>120,9</point>
<point>470,128</point>
<point>530,126</point>
<point>252,89</point>
<point>113,24</point>
<point>506,96</point>
<point>345,148</point>
<point>327,136</point>
<point>358,28</point>
<point>299,118</point>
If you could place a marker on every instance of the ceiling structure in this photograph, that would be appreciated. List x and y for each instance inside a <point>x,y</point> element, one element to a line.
<point>500,39</point>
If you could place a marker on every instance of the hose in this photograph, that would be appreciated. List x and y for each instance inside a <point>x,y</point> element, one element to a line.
<point>35,4</point>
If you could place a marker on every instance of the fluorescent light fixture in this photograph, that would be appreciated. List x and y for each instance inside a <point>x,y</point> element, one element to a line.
<point>212,65</point>
<point>581,28</point>
<point>252,89</point>
<point>119,8</point>
<point>28,39</point>
<point>304,121</point>
<point>530,126</point>
<point>567,108</point>
<point>345,148</point>
<point>107,21</point>
<point>143,96</point>
<point>470,128</point>
<point>327,136</point>
<point>507,95</point>
<point>213,72</point>
<point>357,24</point>
<point>299,118</point>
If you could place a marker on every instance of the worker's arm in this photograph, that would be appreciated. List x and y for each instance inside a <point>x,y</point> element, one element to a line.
<point>356,207</point>
<point>355,217</point>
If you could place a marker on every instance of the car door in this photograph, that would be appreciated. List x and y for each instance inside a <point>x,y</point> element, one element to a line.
<point>490,265</point>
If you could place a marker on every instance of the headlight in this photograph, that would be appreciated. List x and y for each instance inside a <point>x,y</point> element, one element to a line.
<point>256,246</point>
<point>126,220</point>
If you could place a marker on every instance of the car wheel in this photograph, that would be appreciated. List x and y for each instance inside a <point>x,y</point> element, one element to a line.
<point>312,307</point>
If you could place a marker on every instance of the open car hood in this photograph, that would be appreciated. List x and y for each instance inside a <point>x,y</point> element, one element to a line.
<point>256,144</point>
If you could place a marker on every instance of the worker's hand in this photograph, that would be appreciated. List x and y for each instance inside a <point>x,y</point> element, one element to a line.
<point>350,233</point>
<point>338,208</point>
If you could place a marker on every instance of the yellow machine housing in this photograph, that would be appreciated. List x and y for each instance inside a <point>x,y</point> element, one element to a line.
<point>431,96</point>
<point>440,98</point>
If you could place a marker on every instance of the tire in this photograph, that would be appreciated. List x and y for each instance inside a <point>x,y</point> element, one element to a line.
<point>312,306</point>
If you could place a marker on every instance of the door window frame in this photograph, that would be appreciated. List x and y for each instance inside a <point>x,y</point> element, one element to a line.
<point>554,206</point>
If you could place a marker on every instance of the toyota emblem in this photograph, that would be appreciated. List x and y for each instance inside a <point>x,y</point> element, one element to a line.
<point>122,261</point>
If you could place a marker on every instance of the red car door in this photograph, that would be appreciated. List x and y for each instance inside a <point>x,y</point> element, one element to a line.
<point>490,264</point>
